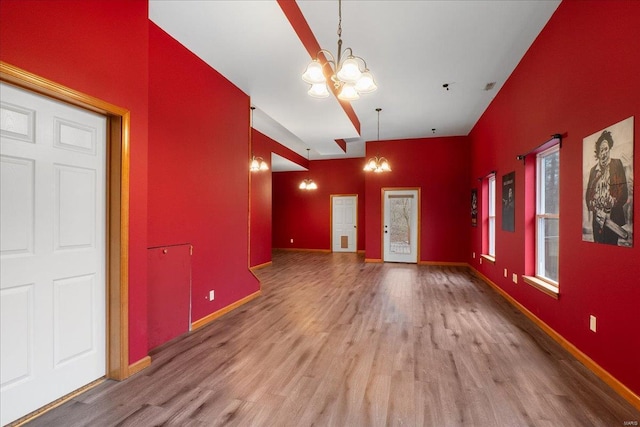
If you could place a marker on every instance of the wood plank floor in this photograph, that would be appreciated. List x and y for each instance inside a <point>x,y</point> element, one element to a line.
<point>335,341</point>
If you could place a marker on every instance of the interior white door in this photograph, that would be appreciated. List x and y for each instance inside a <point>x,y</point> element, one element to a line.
<point>52,250</point>
<point>400,225</point>
<point>344,213</point>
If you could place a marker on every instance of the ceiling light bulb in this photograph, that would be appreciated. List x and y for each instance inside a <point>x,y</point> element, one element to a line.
<point>348,93</point>
<point>264,166</point>
<point>349,72</point>
<point>312,186</point>
<point>313,74</point>
<point>303,185</point>
<point>318,90</point>
<point>254,165</point>
<point>384,165</point>
<point>365,83</point>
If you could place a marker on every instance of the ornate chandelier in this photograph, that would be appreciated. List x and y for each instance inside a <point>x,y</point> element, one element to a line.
<point>350,75</point>
<point>377,164</point>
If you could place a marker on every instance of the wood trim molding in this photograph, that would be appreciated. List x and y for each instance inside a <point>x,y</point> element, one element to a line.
<point>138,366</point>
<point>444,263</point>
<point>213,316</point>
<point>488,258</point>
<point>326,251</point>
<point>117,199</point>
<point>598,370</point>
<point>542,286</point>
<point>259,266</point>
<point>64,399</point>
<point>373,260</point>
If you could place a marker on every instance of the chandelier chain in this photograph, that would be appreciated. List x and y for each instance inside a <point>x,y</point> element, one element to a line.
<point>339,18</point>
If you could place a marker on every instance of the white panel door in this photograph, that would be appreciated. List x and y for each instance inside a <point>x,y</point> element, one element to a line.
<point>400,226</point>
<point>52,250</point>
<point>344,214</point>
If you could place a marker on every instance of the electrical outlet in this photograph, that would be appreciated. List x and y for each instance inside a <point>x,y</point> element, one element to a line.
<point>505,272</point>
<point>291,240</point>
<point>480,260</point>
<point>514,278</point>
<point>212,295</point>
<point>592,323</point>
<point>474,254</point>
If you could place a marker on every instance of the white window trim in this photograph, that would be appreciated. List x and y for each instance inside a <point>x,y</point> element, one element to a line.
<point>491,198</point>
<point>540,281</point>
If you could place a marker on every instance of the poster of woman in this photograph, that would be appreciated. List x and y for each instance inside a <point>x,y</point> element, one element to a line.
<point>509,201</point>
<point>607,169</point>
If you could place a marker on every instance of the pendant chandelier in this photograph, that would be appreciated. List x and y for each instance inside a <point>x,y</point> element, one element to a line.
<point>377,164</point>
<point>350,75</point>
<point>257,163</point>
<point>307,183</point>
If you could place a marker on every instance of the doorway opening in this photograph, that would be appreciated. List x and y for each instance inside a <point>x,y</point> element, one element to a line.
<point>117,202</point>
<point>400,225</point>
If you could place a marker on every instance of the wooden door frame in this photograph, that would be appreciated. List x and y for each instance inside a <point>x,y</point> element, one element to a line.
<point>117,206</point>
<point>331,219</point>
<point>383,190</point>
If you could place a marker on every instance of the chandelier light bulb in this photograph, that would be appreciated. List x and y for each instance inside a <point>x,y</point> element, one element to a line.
<point>349,72</point>
<point>258,164</point>
<point>318,90</point>
<point>348,92</point>
<point>313,74</point>
<point>365,83</point>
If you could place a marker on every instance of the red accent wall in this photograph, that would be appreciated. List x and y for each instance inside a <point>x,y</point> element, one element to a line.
<point>578,77</point>
<point>169,272</point>
<point>260,232</point>
<point>99,48</point>
<point>305,216</point>
<point>199,171</point>
<point>440,167</point>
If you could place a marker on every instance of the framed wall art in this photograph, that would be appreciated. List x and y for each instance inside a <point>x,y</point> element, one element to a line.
<point>607,171</point>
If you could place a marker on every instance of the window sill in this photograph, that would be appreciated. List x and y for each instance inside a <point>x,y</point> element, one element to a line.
<point>489,258</point>
<point>542,285</point>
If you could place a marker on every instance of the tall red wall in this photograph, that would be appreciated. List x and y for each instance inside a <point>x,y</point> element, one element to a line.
<point>199,171</point>
<point>305,216</point>
<point>440,168</point>
<point>260,233</point>
<point>578,77</point>
<point>99,48</point>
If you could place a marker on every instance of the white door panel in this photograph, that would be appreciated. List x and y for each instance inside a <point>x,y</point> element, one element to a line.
<point>52,250</point>
<point>344,214</point>
<point>400,225</point>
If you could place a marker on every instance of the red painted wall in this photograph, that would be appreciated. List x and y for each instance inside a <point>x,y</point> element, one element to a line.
<point>260,232</point>
<point>304,216</point>
<point>199,171</point>
<point>440,167</point>
<point>579,76</point>
<point>101,49</point>
<point>169,272</point>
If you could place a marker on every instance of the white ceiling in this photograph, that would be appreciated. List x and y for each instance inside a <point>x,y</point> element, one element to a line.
<point>412,48</point>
